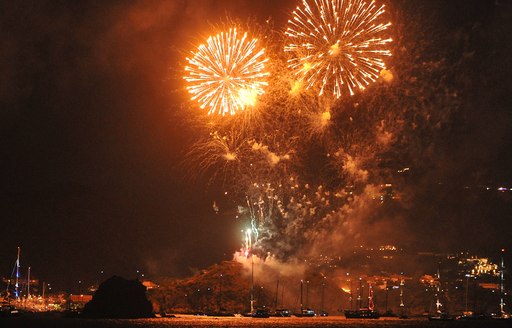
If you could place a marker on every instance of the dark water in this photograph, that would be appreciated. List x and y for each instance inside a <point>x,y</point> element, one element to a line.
<point>192,321</point>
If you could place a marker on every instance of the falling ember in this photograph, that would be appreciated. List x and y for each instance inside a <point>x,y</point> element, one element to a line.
<point>227,74</point>
<point>337,44</point>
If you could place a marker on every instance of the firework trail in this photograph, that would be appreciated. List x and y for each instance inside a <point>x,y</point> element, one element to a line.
<point>227,74</point>
<point>248,242</point>
<point>280,214</point>
<point>337,44</point>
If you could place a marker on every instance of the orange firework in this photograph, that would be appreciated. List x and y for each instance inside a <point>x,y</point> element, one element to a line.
<point>337,44</point>
<point>227,74</point>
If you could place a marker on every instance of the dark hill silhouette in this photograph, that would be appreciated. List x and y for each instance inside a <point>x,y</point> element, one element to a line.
<point>117,297</point>
<point>219,289</point>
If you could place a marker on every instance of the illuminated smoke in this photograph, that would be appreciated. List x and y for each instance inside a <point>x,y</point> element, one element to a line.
<point>307,168</point>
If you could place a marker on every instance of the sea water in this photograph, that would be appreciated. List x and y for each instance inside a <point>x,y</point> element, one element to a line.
<point>202,321</point>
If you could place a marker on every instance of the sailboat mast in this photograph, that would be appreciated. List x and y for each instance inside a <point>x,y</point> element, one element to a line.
<point>360,294</point>
<point>402,283</point>
<point>438,289</point>
<point>277,296</point>
<point>351,295</point>
<point>282,296</point>
<point>371,305</point>
<point>252,282</point>
<point>502,283</point>
<point>301,304</point>
<point>467,292</point>
<point>323,294</point>
<point>7,288</point>
<point>44,300</point>
<point>28,283</point>
<point>16,285</point>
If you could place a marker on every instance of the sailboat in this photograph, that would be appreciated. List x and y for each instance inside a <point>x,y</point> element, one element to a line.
<point>280,311</point>
<point>502,315</point>
<point>403,313</point>
<point>367,312</point>
<point>470,314</point>
<point>439,315</point>
<point>304,312</point>
<point>6,308</point>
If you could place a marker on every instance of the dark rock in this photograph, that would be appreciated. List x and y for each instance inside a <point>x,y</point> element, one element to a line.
<point>119,298</point>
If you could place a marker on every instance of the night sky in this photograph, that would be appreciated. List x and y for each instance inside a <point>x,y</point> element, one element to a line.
<point>93,134</point>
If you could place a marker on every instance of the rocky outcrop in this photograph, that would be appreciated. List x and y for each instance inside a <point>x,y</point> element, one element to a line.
<point>119,298</point>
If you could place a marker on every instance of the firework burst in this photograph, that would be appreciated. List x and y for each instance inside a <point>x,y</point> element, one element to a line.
<point>220,154</point>
<point>337,44</point>
<point>281,213</point>
<point>227,74</point>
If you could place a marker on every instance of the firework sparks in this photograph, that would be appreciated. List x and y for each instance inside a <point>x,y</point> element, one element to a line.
<point>281,214</point>
<point>306,171</point>
<point>337,44</point>
<point>220,154</point>
<point>227,74</point>
<point>248,242</point>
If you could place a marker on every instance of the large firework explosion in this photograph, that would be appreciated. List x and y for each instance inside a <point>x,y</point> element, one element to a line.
<point>337,44</point>
<point>227,74</point>
<point>308,171</point>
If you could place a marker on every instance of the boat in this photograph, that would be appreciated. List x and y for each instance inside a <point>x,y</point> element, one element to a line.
<point>403,312</point>
<point>8,310</point>
<point>469,315</point>
<point>502,315</point>
<point>388,313</point>
<point>282,313</point>
<point>439,315</point>
<point>367,312</point>
<point>363,313</point>
<point>306,313</point>
<point>261,313</point>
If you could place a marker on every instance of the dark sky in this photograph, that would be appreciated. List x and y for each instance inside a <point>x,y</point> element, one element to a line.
<point>92,131</point>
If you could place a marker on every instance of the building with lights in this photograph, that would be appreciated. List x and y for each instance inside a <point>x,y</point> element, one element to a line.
<point>478,267</point>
